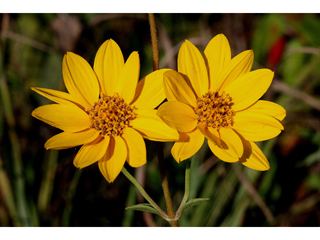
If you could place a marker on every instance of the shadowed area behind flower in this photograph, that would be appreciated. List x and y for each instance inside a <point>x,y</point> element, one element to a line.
<point>43,188</point>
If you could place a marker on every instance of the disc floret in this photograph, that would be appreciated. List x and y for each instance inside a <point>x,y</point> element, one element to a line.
<point>214,110</point>
<point>110,115</point>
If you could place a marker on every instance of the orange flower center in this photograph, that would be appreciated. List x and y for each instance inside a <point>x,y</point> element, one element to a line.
<point>215,110</point>
<point>111,115</point>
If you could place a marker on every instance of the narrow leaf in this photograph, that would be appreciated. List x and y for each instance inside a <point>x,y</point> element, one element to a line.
<point>143,207</point>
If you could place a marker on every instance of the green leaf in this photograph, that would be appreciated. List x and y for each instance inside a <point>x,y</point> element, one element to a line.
<point>195,201</point>
<point>143,207</point>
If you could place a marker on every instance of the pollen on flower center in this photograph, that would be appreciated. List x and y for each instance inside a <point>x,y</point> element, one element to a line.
<point>215,110</point>
<point>111,115</point>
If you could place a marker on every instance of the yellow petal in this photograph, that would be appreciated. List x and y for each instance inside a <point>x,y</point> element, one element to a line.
<point>54,95</point>
<point>238,66</point>
<point>80,79</point>
<point>150,90</point>
<point>91,153</point>
<point>184,150</point>
<point>256,160</point>
<point>112,163</point>
<point>137,155</point>
<point>256,126</point>
<point>152,127</point>
<point>218,54</point>
<point>129,77</point>
<point>192,64</point>
<point>67,117</point>
<point>178,115</point>
<point>108,64</point>
<point>178,88</point>
<point>225,144</point>
<point>268,108</point>
<point>68,139</point>
<point>247,89</point>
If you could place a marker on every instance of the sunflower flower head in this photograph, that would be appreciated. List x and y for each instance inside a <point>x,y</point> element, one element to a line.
<point>216,97</point>
<point>106,110</point>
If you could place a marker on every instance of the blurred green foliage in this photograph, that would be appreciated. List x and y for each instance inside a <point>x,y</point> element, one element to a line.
<point>43,188</point>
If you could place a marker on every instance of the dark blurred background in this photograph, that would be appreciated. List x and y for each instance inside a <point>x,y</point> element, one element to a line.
<point>43,188</point>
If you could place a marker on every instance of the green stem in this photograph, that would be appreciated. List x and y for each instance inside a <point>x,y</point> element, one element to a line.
<point>145,194</point>
<point>186,190</point>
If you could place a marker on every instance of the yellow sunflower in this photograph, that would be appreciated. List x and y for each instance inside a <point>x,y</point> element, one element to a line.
<point>106,110</point>
<point>216,97</point>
